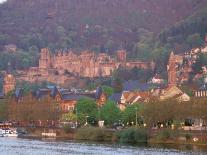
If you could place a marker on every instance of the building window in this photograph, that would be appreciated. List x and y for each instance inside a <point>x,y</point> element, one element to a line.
<point>70,108</point>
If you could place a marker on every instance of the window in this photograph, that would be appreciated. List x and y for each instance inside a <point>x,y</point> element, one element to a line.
<point>70,108</point>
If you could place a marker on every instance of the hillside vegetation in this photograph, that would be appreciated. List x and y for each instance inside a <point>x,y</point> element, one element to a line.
<point>147,29</point>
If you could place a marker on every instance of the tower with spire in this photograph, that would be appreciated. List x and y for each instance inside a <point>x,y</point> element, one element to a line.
<point>171,69</point>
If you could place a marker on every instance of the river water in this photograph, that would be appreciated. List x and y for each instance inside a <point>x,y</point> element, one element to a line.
<point>17,146</point>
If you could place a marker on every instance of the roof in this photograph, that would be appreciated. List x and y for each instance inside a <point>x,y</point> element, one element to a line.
<point>40,93</point>
<point>99,91</point>
<point>76,97</point>
<point>1,95</point>
<point>115,97</point>
<point>136,85</point>
<point>132,97</point>
<point>18,92</point>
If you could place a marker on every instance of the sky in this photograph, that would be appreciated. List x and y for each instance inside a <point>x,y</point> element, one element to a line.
<point>1,1</point>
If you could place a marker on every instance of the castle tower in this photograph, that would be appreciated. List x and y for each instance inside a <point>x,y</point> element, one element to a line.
<point>171,69</point>
<point>121,55</point>
<point>45,59</point>
<point>9,83</point>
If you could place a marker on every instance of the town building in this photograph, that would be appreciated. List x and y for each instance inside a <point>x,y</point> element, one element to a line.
<point>9,83</point>
<point>174,93</point>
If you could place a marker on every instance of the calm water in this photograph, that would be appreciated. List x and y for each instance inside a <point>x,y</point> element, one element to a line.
<point>15,146</point>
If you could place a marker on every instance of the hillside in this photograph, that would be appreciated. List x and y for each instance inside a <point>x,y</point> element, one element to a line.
<point>88,24</point>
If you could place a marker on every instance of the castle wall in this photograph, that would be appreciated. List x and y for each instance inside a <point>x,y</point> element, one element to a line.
<point>87,64</point>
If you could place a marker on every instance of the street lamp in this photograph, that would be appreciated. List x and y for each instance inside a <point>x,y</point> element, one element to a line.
<point>86,120</point>
<point>76,113</point>
<point>136,116</point>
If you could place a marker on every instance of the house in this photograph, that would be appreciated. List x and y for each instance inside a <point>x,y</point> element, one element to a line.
<point>42,93</point>
<point>68,100</point>
<point>11,48</point>
<point>157,80</point>
<point>131,97</point>
<point>100,97</point>
<point>174,92</point>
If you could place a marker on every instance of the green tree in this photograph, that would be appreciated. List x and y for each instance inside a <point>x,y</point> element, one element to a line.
<point>200,62</point>
<point>110,113</point>
<point>129,114</point>
<point>194,40</point>
<point>108,90</point>
<point>86,107</point>
<point>70,117</point>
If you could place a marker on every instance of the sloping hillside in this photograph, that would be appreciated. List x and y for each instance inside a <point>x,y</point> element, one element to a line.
<point>100,25</point>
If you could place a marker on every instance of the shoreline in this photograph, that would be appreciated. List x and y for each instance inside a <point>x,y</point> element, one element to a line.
<point>150,140</point>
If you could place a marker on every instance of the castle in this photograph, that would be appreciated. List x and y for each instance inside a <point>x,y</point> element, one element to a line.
<point>88,65</point>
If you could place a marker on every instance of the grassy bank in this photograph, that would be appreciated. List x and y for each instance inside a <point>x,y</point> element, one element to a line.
<point>129,135</point>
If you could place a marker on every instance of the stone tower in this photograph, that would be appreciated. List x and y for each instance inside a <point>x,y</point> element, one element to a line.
<point>171,69</point>
<point>121,55</point>
<point>45,59</point>
<point>9,83</point>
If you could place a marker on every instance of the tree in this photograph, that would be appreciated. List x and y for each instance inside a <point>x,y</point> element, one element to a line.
<point>110,113</point>
<point>30,109</point>
<point>129,114</point>
<point>69,117</point>
<point>86,107</point>
<point>108,90</point>
<point>200,62</point>
<point>194,40</point>
<point>3,110</point>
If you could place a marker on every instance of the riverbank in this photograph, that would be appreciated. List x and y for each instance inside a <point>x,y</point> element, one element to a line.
<point>128,136</point>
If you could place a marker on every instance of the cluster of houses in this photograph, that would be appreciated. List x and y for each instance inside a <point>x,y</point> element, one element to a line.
<point>178,68</point>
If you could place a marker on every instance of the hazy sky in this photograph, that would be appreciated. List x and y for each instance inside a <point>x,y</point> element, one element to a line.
<point>1,1</point>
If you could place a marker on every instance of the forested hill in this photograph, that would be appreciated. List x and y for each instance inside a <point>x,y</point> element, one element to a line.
<point>100,25</point>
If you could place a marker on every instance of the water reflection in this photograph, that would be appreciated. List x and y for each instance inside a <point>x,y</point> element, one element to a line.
<point>45,147</point>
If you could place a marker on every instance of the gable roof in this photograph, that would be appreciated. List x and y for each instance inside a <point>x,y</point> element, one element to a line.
<point>132,97</point>
<point>40,93</point>
<point>172,92</point>
<point>99,91</point>
<point>18,93</point>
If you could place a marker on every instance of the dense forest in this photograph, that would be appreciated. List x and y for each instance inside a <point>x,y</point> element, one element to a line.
<point>147,29</point>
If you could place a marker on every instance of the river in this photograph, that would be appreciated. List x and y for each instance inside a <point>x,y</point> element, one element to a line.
<point>17,146</point>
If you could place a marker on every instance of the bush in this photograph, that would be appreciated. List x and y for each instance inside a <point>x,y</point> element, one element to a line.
<point>188,136</point>
<point>68,129</point>
<point>167,134</point>
<point>133,135</point>
<point>94,134</point>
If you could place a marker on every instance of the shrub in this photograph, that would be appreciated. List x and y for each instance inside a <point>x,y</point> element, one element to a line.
<point>133,135</point>
<point>167,134</point>
<point>188,136</point>
<point>68,129</point>
<point>94,134</point>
